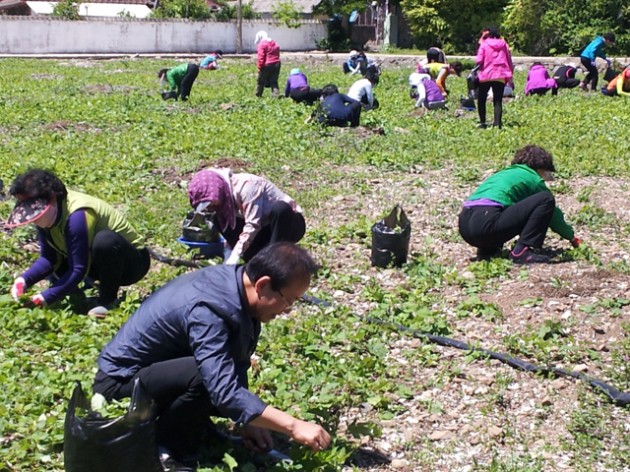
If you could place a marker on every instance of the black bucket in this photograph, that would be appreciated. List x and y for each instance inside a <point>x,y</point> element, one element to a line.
<point>390,239</point>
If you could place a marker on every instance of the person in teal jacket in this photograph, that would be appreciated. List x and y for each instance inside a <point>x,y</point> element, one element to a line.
<point>515,202</point>
<point>179,79</point>
<point>591,52</point>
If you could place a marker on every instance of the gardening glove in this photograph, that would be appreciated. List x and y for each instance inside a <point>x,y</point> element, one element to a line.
<point>232,258</point>
<point>37,300</point>
<point>575,241</point>
<point>18,288</point>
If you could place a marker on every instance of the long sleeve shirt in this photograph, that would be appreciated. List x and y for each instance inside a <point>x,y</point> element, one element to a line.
<point>514,184</point>
<point>201,314</point>
<point>268,52</point>
<point>253,197</point>
<point>175,75</point>
<point>295,81</point>
<point>362,88</point>
<point>595,49</point>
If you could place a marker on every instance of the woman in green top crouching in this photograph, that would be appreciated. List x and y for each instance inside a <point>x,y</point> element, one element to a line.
<point>515,202</point>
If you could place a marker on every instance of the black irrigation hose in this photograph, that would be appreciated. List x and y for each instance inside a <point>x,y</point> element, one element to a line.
<point>617,397</point>
<point>172,261</point>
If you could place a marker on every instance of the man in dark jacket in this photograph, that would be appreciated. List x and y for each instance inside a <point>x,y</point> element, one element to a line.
<point>190,344</point>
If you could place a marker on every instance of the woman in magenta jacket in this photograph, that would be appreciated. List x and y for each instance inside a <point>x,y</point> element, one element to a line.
<point>495,70</point>
<point>268,63</point>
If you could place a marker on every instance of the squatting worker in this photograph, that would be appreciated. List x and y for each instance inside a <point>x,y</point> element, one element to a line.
<point>249,211</point>
<point>190,344</point>
<point>515,202</point>
<point>79,236</point>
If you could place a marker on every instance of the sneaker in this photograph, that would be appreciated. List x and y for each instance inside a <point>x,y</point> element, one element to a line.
<point>528,256</point>
<point>171,465</point>
<point>99,311</point>
<point>485,254</point>
<point>482,126</point>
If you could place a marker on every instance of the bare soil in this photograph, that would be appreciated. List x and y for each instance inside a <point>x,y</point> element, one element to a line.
<point>487,409</point>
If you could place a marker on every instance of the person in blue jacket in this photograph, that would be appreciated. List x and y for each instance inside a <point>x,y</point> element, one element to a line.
<point>591,52</point>
<point>339,109</point>
<point>210,62</point>
<point>190,344</point>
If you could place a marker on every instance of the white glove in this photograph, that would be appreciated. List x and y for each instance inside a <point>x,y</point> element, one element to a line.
<point>17,290</point>
<point>232,259</point>
<point>38,300</point>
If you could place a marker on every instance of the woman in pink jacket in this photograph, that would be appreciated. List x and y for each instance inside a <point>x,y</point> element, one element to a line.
<point>495,70</point>
<point>268,63</point>
<point>539,82</point>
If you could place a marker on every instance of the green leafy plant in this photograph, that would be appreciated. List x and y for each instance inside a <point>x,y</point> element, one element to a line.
<point>66,10</point>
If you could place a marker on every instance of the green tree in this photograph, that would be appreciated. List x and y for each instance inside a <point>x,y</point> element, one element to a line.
<point>565,26</point>
<point>288,13</point>
<point>66,10</point>
<point>228,12</point>
<point>452,24</point>
<point>194,9</point>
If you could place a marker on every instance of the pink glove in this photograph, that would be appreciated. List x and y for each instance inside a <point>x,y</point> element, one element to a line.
<point>37,300</point>
<point>18,288</point>
<point>575,241</point>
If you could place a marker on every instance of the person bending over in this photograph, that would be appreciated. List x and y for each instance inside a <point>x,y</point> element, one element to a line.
<point>338,109</point>
<point>249,211</point>
<point>210,62</point>
<point>588,56</point>
<point>179,80</point>
<point>565,77</point>
<point>619,86</point>
<point>515,202</point>
<point>362,91</point>
<point>79,236</point>
<point>539,82</point>
<point>190,344</point>
<point>425,92</point>
<point>298,89</point>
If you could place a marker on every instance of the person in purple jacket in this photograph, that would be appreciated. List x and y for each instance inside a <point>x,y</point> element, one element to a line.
<point>495,70</point>
<point>298,89</point>
<point>539,82</point>
<point>426,92</point>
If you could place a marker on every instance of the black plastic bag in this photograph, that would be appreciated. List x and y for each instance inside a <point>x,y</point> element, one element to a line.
<point>610,74</point>
<point>125,444</point>
<point>199,228</point>
<point>390,239</point>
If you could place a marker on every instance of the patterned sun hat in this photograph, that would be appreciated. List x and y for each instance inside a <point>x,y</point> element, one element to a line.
<point>27,211</point>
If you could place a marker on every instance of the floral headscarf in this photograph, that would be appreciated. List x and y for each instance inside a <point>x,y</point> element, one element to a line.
<point>207,185</point>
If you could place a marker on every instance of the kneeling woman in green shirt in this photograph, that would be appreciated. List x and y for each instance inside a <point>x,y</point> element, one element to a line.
<point>515,202</point>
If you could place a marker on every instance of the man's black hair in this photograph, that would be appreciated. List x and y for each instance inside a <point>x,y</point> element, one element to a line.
<point>329,89</point>
<point>38,183</point>
<point>283,263</point>
<point>534,157</point>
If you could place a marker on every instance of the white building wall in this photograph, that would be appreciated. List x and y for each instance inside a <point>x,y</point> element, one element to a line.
<point>28,35</point>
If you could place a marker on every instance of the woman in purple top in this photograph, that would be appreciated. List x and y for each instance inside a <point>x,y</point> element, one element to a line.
<point>298,89</point>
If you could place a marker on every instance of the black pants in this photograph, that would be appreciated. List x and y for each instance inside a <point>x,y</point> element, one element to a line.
<point>592,75</point>
<point>188,80</point>
<point>306,95</point>
<point>435,55</point>
<point>115,262</point>
<point>351,114</point>
<point>567,83</point>
<point>183,403</point>
<point>283,224</point>
<point>268,77</point>
<point>497,101</point>
<point>489,227</point>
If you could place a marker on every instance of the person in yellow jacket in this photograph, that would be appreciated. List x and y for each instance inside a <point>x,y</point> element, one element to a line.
<point>79,236</point>
<point>620,85</point>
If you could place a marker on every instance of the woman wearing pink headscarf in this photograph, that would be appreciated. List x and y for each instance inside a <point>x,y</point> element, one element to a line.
<point>249,211</point>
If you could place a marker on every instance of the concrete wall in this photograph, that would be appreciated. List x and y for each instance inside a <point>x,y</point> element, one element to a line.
<point>28,35</point>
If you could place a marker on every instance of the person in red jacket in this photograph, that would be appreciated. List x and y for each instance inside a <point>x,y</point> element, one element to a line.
<point>268,64</point>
